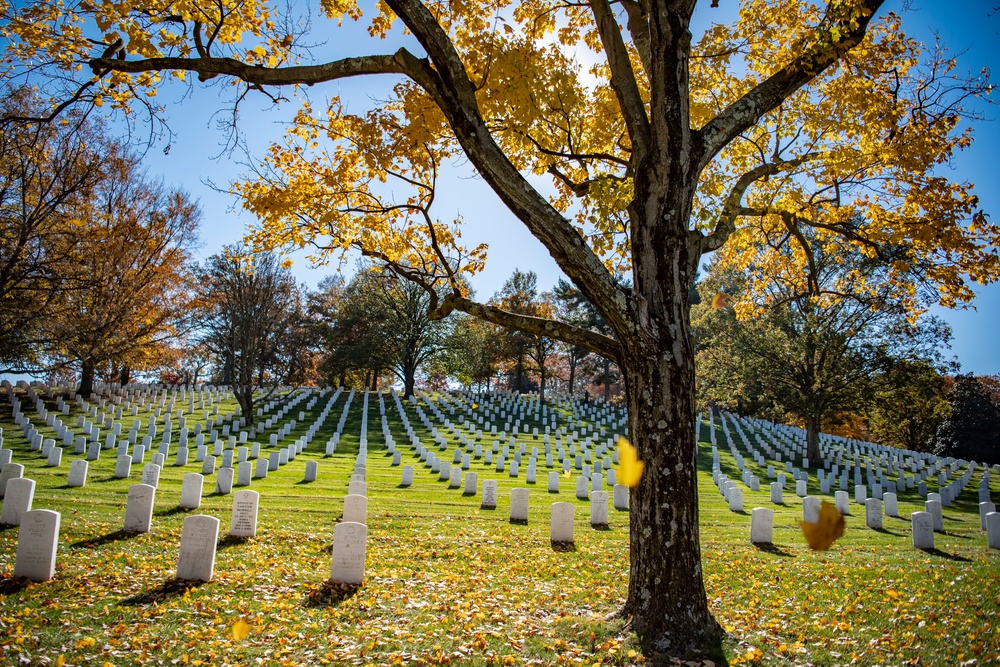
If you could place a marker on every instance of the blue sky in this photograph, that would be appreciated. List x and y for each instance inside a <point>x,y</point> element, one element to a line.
<point>967,27</point>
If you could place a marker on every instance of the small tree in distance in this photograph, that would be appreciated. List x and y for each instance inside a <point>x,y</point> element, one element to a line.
<point>247,303</point>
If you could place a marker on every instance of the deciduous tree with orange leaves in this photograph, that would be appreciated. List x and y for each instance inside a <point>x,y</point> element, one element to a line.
<point>660,148</point>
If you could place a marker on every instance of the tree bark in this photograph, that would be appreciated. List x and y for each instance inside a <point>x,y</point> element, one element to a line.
<point>666,597</point>
<point>813,423</point>
<point>125,375</point>
<point>86,378</point>
<point>409,375</point>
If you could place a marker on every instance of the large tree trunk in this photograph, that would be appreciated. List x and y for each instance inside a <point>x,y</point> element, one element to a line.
<point>541,385</point>
<point>409,374</point>
<point>813,423</point>
<point>244,396</point>
<point>86,378</point>
<point>125,375</point>
<point>572,373</point>
<point>666,597</point>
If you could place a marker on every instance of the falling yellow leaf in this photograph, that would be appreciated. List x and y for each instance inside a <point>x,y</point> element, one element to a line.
<point>720,300</point>
<point>566,473</point>
<point>241,629</point>
<point>475,405</point>
<point>629,465</point>
<point>826,530</point>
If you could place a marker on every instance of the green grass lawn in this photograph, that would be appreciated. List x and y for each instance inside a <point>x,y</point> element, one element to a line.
<point>450,583</point>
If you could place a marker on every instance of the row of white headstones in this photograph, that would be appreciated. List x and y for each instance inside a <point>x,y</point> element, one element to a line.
<point>39,529</point>
<point>923,524</point>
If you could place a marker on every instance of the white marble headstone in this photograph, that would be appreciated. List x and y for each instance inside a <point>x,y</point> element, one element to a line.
<point>17,501</point>
<point>934,508</point>
<point>599,508</point>
<point>123,467</point>
<point>471,483</point>
<point>8,472</point>
<point>78,473</point>
<point>191,489</point>
<point>761,525</point>
<point>355,509</point>
<point>489,493</point>
<point>37,542</point>
<point>349,543</point>
<point>519,504</point>
<point>561,529</point>
<point>244,518</point>
<point>810,509</point>
<point>139,508</point>
<point>199,539</point>
<point>922,524</point>
<point>873,513</point>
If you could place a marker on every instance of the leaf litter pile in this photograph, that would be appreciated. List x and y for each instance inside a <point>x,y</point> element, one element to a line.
<point>448,583</point>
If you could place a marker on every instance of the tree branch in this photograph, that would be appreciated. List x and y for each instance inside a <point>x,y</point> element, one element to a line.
<point>732,209</point>
<point>541,326</point>
<point>623,78</point>
<point>449,84</point>
<point>264,76</point>
<point>746,111</point>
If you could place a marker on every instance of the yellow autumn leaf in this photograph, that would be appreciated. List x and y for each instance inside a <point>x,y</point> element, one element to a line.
<point>61,660</point>
<point>241,629</point>
<point>720,300</point>
<point>629,465</point>
<point>566,473</point>
<point>827,530</point>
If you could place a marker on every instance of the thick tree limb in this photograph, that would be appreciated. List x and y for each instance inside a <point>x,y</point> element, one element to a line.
<point>746,111</point>
<point>540,326</point>
<point>264,76</point>
<point>454,92</point>
<point>623,78</point>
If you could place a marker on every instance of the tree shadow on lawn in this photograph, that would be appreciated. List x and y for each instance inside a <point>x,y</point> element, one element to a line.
<point>330,593</point>
<point>168,589</point>
<point>773,549</point>
<point>115,536</point>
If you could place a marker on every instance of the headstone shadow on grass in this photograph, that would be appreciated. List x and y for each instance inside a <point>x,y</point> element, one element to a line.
<point>9,585</point>
<point>232,541</point>
<point>108,538</point>
<point>945,554</point>
<point>774,549</point>
<point>562,547</point>
<point>330,593</point>
<point>886,531</point>
<point>170,588</point>
<point>174,510</point>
